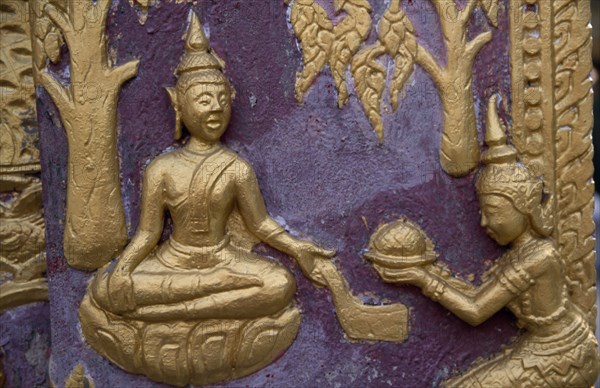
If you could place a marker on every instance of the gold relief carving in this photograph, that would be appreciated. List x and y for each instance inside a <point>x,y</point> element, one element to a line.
<point>558,347</point>
<point>459,150</point>
<point>322,43</point>
<point>95,222</point>
<point>573,101</point>
<point>18,134</point>
<point>551,42</point>
<point>79,379</point>
<point>22,260</point>
<point>198,308</point>
<point>22,257</point>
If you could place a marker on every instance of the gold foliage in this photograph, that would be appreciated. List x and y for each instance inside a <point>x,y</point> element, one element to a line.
<point>370,83</point>
<point>323,43</point>
<point>397,40</point>
<point>315,34</point>
<point>459,150</point>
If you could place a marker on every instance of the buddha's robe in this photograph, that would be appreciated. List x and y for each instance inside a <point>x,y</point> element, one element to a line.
<point>197,273</point>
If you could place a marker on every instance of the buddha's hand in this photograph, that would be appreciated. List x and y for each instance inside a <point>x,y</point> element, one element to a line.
<point>417,276</point>
<point>120,287</point>
<point>308,255</point>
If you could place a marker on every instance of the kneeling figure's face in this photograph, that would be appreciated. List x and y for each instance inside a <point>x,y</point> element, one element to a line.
<point>206,110</point>
<point>501,220</point>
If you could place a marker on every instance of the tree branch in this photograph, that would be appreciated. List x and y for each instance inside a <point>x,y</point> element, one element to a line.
<point>61,20</point>
<point>467,11</point>
<point>425,59</point>
<point>476,44</point>
<point>122,73</point>
<point>103,7</point>
<point>59,94</point>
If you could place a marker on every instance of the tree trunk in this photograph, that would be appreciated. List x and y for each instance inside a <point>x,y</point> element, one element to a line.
<point>459,149</point>
<point>95,222</point>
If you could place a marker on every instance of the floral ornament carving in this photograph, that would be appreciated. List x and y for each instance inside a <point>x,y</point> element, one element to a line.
<point>22,256</point>
<point>459,149</point>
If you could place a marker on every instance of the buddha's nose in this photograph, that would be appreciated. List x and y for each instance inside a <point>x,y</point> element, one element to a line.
<point>216,106</point>
<point>484,221</point>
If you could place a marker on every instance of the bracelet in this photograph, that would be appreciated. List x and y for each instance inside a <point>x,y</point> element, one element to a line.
<point>434,290</point>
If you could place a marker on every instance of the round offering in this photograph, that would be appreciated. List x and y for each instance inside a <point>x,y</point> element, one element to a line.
<point>400,244</point>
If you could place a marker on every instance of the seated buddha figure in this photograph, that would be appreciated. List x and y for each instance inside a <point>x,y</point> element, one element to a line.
<point>196,309</point>
<point>557,348</point>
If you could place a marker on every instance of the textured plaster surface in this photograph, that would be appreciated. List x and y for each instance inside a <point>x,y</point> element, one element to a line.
<point>322,173</point>
<point>25,340</point>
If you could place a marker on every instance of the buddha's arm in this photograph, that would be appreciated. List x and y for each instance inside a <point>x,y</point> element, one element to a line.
<point>151,221</point>
<point>252,208</point>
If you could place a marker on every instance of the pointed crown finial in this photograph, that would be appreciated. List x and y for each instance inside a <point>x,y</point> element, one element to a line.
<point>505,175</point>
<point>199,60</point>
<point>495,137</point>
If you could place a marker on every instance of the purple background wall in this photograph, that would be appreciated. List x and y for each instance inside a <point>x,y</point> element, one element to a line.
<point>320,170</point>
<point>25,340</point>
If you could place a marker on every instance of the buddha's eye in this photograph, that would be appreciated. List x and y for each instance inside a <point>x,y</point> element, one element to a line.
<point>223,99</point>
<point>203,100</point>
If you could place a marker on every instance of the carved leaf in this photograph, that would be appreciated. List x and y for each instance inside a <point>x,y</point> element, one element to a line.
<point>350,33</point>
<point>369,78</point>
<point>394,27</point>
<point>490,7</point>
<point>314,31</point>
<point>396,33</point>
<point>405,64</point>
<point>52,44</point>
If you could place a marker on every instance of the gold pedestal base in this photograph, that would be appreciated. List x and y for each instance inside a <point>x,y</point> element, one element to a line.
<point>189,352</point>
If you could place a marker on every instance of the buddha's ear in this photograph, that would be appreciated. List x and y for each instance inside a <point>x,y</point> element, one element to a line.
<point>232,91</point>
<point>175,102</point>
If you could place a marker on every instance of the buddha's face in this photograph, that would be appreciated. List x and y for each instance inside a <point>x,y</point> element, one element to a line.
<point>500,219</point>
<point>206,110</point>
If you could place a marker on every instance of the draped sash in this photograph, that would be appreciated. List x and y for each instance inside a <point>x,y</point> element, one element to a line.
<point>204,178</point>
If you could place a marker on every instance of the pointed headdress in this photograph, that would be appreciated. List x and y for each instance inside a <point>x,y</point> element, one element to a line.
<point>503,174</point>
<point>199,64</point>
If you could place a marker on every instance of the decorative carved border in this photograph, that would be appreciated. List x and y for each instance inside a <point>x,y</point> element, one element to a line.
<point>552,122</point>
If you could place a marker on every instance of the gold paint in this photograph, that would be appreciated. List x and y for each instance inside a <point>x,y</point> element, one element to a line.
<point>400,244</point>
<point>22,257</point>
<point>551,46</point>
<point>323,43</point>
<point>95,222</point>
<point>558,347</point>
<point>79,379</point>
<point>18,152</point>
<point>201,307</point>
<point>459,151</point>
<point>359,321</point>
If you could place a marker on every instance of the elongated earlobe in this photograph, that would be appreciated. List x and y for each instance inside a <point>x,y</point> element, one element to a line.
<point>175,102</point>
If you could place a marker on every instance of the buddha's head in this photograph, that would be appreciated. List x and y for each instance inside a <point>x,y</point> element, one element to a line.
<point>510,195</point>
<point>202,97</point>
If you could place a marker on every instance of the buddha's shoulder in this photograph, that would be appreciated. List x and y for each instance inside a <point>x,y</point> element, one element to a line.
<point>164,163</point>
<point>242,168</point>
